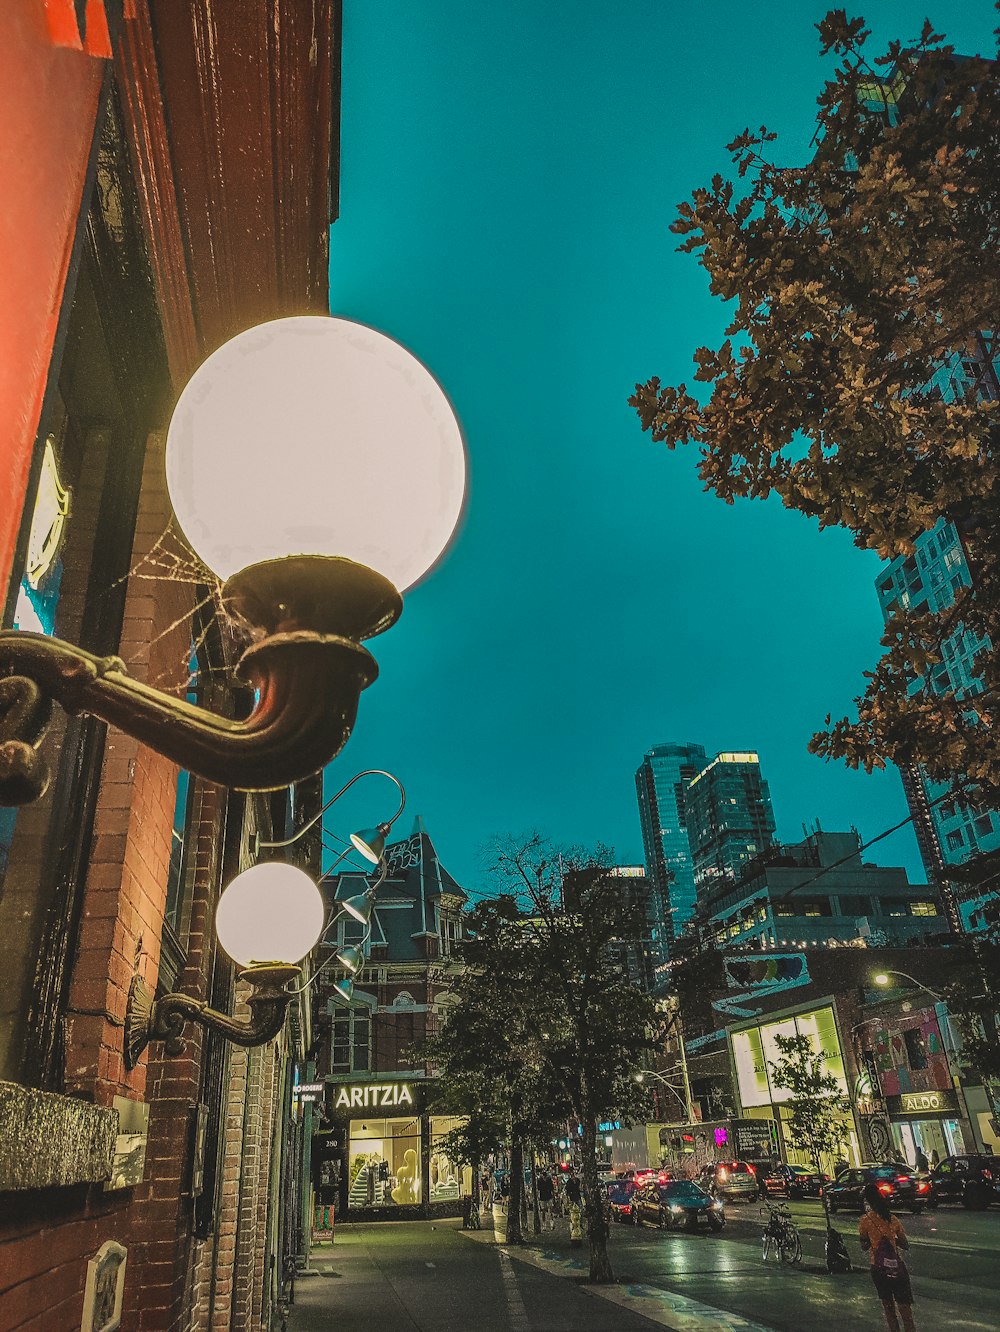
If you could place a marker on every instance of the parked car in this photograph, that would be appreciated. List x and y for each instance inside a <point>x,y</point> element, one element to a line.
<point>895,1180</point>
<point>618,1193</point>
<point>678,1202</point>
<point>800,1181</point>
<point>974,1181</point>
<point>729,1179</point>
<point>771,1182</point>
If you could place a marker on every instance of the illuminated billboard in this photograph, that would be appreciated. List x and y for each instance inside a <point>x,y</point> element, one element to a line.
<point>755,1052</point>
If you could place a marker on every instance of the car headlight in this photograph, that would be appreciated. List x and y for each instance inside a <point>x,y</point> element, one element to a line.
<point>717,1205</point>
<point>677,1210</point>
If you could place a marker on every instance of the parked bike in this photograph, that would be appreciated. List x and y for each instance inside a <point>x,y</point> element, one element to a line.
<point>780,1234</point>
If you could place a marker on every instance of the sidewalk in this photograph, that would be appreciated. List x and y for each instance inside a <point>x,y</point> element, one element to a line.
<point>424,1276</point>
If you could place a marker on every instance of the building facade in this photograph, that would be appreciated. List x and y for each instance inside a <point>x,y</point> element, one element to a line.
<point>661,784</point>
<point>377,1154</point>
<point>729,819</point>
<point>820,891</point>
<point>147,218</point>
<point>949,831</point>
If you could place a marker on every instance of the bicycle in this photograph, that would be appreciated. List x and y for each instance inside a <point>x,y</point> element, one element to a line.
<point>780,1234</point>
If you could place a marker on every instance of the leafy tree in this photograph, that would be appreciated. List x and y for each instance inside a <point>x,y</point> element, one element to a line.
<point>488,1051</point>
<point>546,1030</point>
<point>859,285</point>
<point>817,1106</point>
<point>595,1028</point>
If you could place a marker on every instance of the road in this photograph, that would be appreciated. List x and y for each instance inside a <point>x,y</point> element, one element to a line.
<point>953,1260</point>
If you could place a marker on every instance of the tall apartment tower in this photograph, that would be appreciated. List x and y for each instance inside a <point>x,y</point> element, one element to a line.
<point>660,785</point>
<point>729,819</point>
<point>948,831</point>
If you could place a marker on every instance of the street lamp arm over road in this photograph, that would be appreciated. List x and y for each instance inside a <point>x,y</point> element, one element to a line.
<point>882,978</point>
<point>652,1073</point>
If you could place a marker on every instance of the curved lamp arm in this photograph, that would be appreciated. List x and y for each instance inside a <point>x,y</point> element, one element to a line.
<point>652,1073</point>
<point>150,1019</point>
<point>913,981</point>
<point>307,669</point>
<point>368,772</point>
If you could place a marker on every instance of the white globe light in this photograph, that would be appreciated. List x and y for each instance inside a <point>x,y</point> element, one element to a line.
<point>316,436</point>
<point>269,913</point>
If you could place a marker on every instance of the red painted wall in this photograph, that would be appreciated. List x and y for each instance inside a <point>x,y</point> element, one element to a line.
<point>48,108</point>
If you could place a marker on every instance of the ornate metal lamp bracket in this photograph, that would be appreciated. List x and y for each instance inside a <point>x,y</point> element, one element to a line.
<point>307,669</point>
<point>150,1019</point>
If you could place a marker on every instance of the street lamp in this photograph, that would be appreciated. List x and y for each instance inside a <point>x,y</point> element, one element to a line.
<point>267,920</point>
<point>882,978</point>
<point>315,466</point>
<point>684,1100</point>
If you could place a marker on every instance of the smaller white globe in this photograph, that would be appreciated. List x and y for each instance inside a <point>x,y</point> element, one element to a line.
<point>269,913</point>
<point>316,436</point>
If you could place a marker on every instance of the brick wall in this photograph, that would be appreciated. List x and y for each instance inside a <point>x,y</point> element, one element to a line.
<point>47,1238</point>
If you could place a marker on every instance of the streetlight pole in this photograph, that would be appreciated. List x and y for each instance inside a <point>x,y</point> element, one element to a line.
<point>685,1100</point>
<point>944,1019</point>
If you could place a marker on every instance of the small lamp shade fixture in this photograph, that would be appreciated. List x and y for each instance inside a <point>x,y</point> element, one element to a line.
<point>881,978</point>
<point>343,990</point>
<point>316,436</point>
<point>350,958</point>
<point>359,908</point>
<point>270,913</point>
<point>370,842</point>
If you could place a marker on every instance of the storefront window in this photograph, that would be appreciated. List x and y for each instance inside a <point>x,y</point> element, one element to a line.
<point>447,1180</point>
<point>384,1163</point>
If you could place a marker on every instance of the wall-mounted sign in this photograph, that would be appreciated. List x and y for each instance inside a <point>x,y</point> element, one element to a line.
<point>102,1300</point>
<point>374,1094</point>
<point>772,971</point>
<point>755,1138</point>
<point>907,1105</point>
<point>303,1088</point>
<point>130,1144</point>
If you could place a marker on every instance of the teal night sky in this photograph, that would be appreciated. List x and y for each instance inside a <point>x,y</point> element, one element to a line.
<point>509,172</point>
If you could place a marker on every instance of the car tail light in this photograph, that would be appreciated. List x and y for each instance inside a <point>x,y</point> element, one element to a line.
<point>627,1209</point>
<point>922,1186</point>
<point>987,1174</point>
<point>886,1189</point>
<point>902,1179</point>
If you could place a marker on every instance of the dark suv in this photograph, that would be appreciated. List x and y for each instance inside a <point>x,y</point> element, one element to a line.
<point>729,1179</point>
<point>974,1181</point>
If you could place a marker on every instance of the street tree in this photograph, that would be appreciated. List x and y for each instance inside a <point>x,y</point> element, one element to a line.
<point>488,1050</point>
<point>596,1028</point>
<point>857,377</point>
<point>817,1106</point>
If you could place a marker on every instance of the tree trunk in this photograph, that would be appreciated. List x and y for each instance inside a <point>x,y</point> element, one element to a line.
<point>597,1221</point>
<point>536,1216</point>
<point>516,1191</point>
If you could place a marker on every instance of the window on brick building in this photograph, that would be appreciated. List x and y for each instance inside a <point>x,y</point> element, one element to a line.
<point>351,1044</point>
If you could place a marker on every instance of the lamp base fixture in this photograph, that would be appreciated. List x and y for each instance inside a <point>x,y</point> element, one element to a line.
<point>306,614</point>
<point>150,1019</point>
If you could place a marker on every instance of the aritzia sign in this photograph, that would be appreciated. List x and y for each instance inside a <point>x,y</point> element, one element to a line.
<point>370,1095</point>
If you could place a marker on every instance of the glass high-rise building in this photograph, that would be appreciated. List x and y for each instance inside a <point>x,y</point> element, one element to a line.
<point>660,784</point>
<point>729,819</point>
<point>949,832</point>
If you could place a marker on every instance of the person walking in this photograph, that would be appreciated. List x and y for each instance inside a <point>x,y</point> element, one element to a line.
<point>546,1201</point>
<point>883,1236</point>
<point>935,1158</point>
<point>920,1162</point>
<point>574,1200</point>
